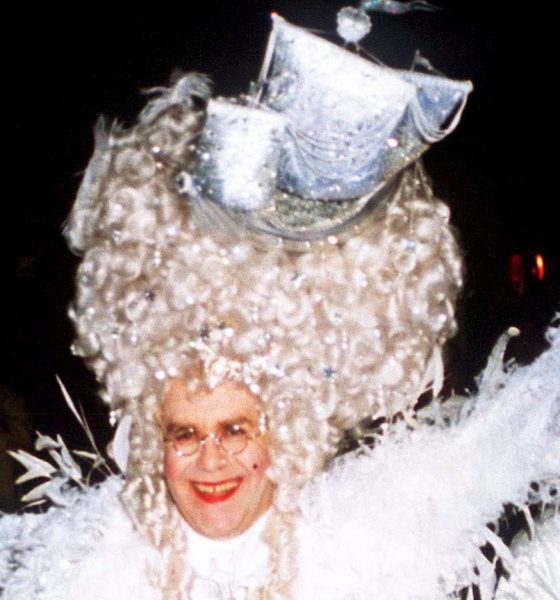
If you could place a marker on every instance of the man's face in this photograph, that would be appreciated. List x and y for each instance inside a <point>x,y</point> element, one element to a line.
<point>218,494</point>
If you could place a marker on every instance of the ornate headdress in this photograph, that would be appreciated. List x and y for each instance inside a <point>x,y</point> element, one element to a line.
<point>324,137</point>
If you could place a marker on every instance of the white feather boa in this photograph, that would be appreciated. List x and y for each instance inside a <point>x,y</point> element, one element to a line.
<point>404,521</point>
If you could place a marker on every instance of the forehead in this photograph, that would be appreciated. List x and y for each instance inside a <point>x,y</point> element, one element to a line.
<point>206,408</point>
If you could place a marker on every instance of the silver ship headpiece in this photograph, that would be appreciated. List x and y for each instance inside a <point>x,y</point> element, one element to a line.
<point>314,148</point>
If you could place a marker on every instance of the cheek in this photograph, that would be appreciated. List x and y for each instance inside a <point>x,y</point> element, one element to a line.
<point>258,462</point>
<point>259,467</point>
<point>171,467</point>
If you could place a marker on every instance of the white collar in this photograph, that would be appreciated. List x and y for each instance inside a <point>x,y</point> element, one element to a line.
<point>227,569</point>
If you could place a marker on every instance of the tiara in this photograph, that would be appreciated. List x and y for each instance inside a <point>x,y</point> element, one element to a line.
<point>321,139</point>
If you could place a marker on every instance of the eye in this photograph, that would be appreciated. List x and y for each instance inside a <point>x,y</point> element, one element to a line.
<point>234,430</point>
<point>185,435</point>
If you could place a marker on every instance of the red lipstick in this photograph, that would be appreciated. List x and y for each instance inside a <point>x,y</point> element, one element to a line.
<point>216,491</point>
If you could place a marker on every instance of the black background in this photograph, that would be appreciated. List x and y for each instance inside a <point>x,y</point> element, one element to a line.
<point>66,66</point>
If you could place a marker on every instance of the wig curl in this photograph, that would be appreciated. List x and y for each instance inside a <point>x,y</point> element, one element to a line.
<point>346,330</point>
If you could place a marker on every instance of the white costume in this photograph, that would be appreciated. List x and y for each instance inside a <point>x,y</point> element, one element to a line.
<point>405,520</point>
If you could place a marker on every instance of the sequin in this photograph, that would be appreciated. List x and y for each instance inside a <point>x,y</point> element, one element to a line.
<point>329,372</point>
<point>410,244</point>
<point>185,183</point>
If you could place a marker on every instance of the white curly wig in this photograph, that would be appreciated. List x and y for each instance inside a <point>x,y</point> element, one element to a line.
<point>326,337</point>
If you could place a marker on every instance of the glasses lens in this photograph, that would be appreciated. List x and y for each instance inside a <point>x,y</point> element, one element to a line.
<point>234,439</point>
<point>186,443</point>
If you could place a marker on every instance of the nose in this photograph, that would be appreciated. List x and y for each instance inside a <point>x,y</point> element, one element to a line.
<point>211,455</point>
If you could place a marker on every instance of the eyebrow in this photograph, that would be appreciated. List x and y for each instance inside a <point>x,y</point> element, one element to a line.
<point>175,426</point>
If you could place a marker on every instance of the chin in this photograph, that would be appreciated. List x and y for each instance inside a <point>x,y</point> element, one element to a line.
<point>219,527</point>
<point>223,533</point>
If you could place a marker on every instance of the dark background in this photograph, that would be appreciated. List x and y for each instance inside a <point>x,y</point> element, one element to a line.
<point>67,66</point>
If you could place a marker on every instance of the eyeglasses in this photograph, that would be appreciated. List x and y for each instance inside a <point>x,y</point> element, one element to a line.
<point>232,438</point>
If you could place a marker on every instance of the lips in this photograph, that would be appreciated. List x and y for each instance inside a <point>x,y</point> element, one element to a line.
<point>216,491</point>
